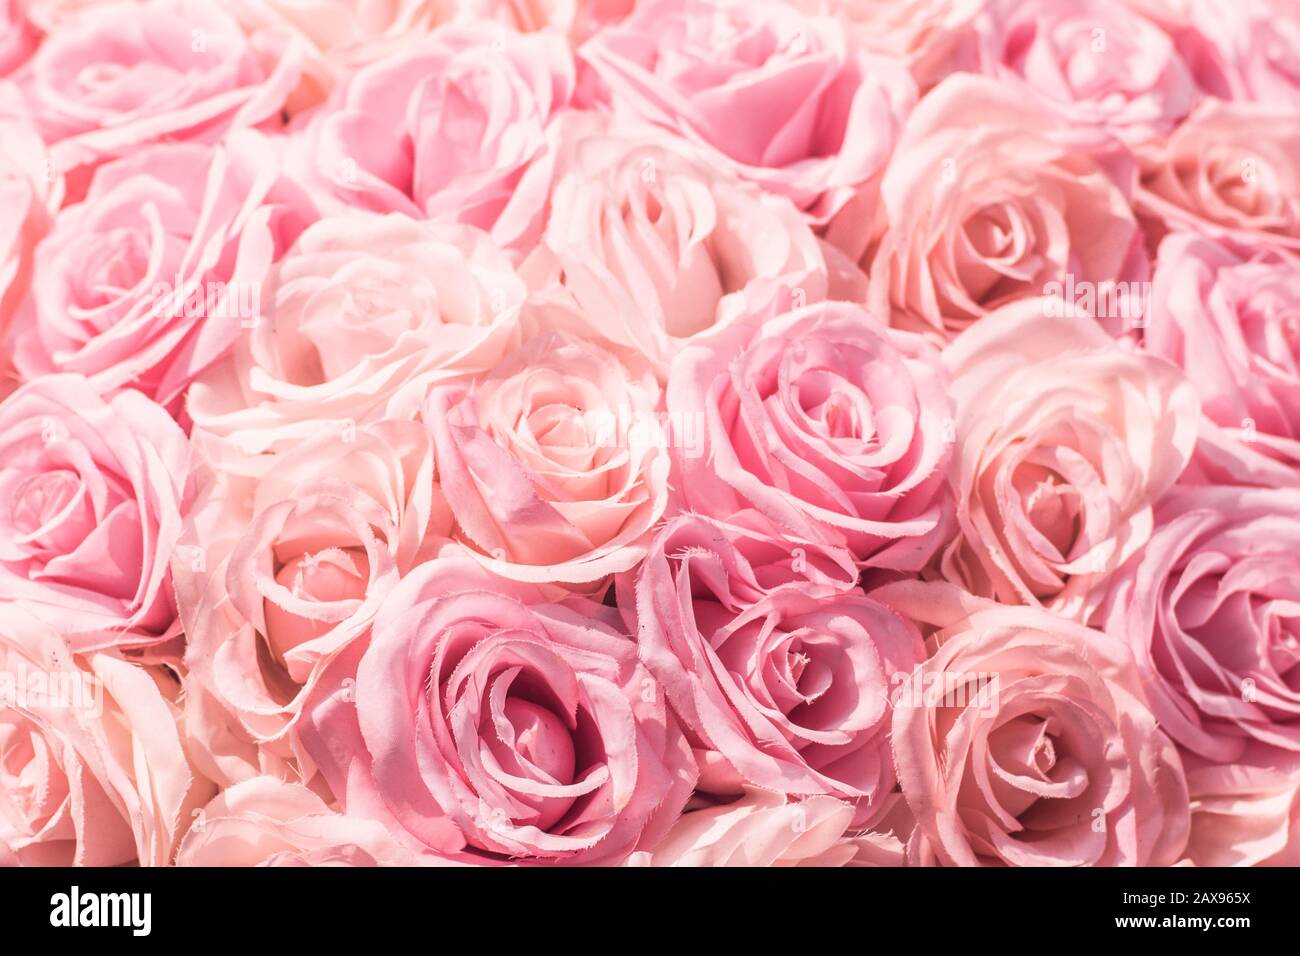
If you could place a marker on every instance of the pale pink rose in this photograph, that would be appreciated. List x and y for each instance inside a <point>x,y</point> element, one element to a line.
<point>826,422</point>
<point>149,280</point>
<point>361,307</point>
<point>51,15</point>
<point>780,97</point>
<point>1254,820</point>
<point>760,829</point>
<point>94,490</point>
<point>1209,610</point>
<point>457,128</point>
<point>121,76</point>
<point>93,769</point>
<point>934,37</point>
<point>1231,321</point>
<point>1242,49</point>
<point>983,204</point>
<point>1065,439</point>
<point>1025,741</point>
<point>19,37</point>
<point>267,822</point>
<point>30,191</point>
<point>660,249</point>
<point>782,687</point>
<point>484,719</point>
<point>1230,171</point>
<point>1096,63</point>
<point>554,463</point>
<point>278,574</point>
<point>577,19</point>
<point>335,37</point>
<point>220,748</point>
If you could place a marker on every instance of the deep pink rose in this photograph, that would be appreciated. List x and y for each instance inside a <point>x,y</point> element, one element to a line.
<point>150,279</point>
<point>1065,439</point>
<point>267,822</point>
<point>828,423</point>
<point>121,76</point>
<point>1230,171</point>
<point>94,490</point>
<point>487,720</point>
<point>93,766</point>
<point>1242,49</point>
<point>1231,321</point>
<point>456,129</point>
<point>1209,610</point>
<point>1025,741</point>
<point>19,38</point>
<point>554,463</point>
<point>983,203</point>
<point>1098,64</point>
<point>782,686</point>
<point>782,98</point>
<point>742,557</point>
<point>278,573</point>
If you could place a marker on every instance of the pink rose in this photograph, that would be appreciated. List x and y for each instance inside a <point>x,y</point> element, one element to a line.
<point>122,76</point>
<point>272,590</point>
<point>578,19</point>
<point>458,129</point>
<point>829,424</point>
<point>148,281</point>
<point>778,96</point>
<point>93,769</point>
<point>786,690</point>
<point>1243,50</point>
<point>1065,439</point>
<point>19,38</point>
<point>760,829</point>
<point>1253,821</point>
<point>554,463</point>
<point>30,191</point>
<point>659,249</point>
<point>933,37</point>
<point>360,308</point>
<point>50,15</point>
<point>267,822</point>
<point>1208,608</point>
<point>1230,171</point>
<point>742,558</point>
<point>983,204</point>
<point>488,720</point>
<point>1232,322</point>
<point>1025,741</point>
<point>93,491</point>
<point>334,37</point>
<point>1095,62</point>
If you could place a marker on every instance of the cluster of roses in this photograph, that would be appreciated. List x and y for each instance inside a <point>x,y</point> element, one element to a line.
<point>676,432</point>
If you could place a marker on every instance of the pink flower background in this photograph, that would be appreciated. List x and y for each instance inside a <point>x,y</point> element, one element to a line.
<point>650,432</point>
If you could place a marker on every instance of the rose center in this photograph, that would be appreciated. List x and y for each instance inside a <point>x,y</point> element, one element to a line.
<point>327,578</point>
